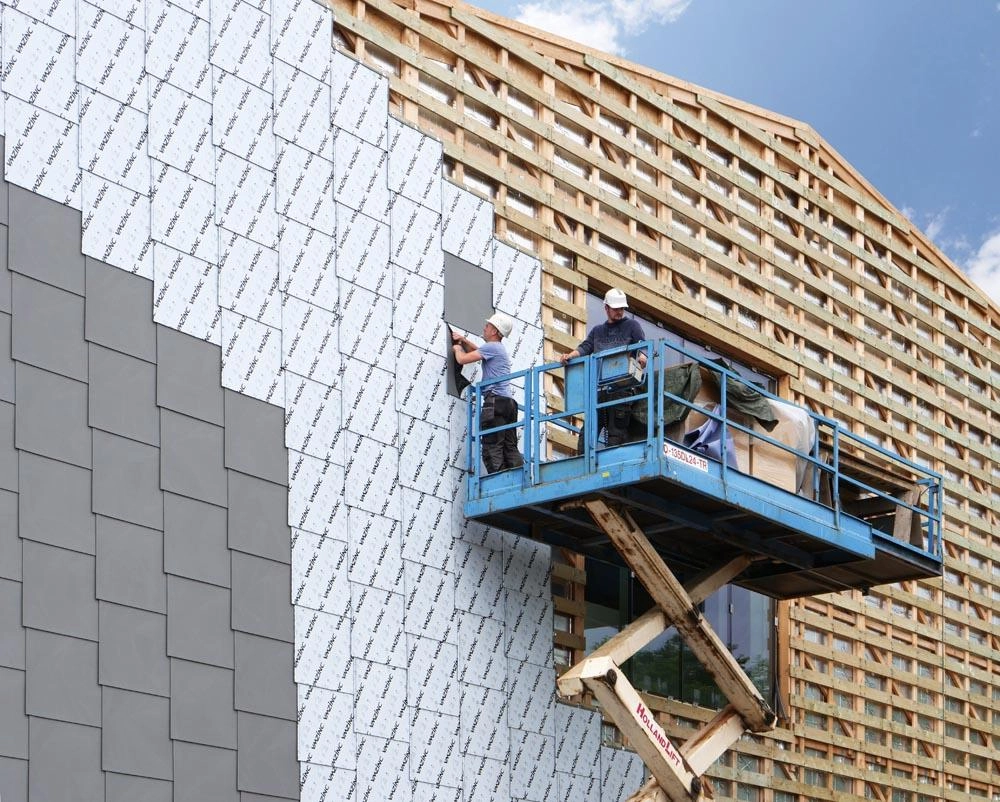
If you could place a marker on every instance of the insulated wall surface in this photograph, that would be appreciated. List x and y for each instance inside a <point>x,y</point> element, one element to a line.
<point>233,557</point>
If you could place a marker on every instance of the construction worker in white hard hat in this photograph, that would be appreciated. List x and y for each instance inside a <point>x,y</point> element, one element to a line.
<point>617,331</point>
<point>500,451</point>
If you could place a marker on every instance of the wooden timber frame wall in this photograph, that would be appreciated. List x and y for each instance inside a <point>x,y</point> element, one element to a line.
<point>745,230</point>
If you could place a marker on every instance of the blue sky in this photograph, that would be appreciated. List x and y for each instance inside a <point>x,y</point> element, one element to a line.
<point>908,91</point>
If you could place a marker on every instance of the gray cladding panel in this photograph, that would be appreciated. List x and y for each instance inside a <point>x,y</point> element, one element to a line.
<point>45,240</point>
<point>130,565</point>
<point>192,457</point>
<point>194,540</point>
<point>255,438</point>
<point>10,543</point>
<point>267,761</point>
<point>8,454</point>
<point>14,779</point>
<point>52,416</point>
<point>69,524</point>
<point>13,721</point>
<point>47,329</point>
<point>6,361</point>
<point>263,677</point>
<point>258,517</point>
<point>119,311</point>
<point>133,650</point>
<point>468,294</point>
<point>59,593</point>
<point>262,593</point>
<point>62,678</point>
<point>5,299</point>
<point>65,761</point>
<point>198,622</point>
<point>127,480</point>
<point>123,395</point>
<point>135,738</point>
<point>201,708</point>
<point>12,634</point>
<point>189,375</point>
<point>204,772</point>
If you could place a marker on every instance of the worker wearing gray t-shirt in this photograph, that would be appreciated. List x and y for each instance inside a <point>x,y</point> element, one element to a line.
<point>500,451</point>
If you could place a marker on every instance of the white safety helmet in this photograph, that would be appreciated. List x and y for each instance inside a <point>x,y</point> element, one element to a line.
<point>616,299</point>
<point>501,323</point>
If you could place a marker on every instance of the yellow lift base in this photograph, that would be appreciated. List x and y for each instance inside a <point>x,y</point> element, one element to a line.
<point>676,771</point>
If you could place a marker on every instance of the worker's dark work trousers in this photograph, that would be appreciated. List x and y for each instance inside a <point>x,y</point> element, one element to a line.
<point>500,451</point>
<point>621,423</point>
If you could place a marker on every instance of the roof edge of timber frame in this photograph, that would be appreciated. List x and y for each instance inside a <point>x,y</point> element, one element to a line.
<point>769,122</point>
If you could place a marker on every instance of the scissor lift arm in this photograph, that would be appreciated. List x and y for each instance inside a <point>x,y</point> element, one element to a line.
<point>676,771</point>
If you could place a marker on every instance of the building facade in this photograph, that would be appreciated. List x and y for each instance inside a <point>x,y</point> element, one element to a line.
<point>233,560</point>
<point>745,231</point>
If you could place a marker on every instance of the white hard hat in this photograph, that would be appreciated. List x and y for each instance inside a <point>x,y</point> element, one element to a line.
<point>616,299</point>
<point>501,323</point>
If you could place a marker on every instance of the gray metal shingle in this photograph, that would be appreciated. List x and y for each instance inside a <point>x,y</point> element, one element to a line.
<point>262,597</point>
<point>194,540</point>
<point>69,524</point>
<point>198,622</point>
<point>258,517</point>
<point>127,480</point>
<point>47,328</point>
<point>192,458</point>
<point>62,678</point>
<point>189,375</point>
<point>8,453</point>
<point>12,634</point>
<point>10,543</point>
<point>267,761</point>
<point>120,310</point>
<point>264,677</point>
<point>133,650</point>
<point>135,738</point>
<point>123,395</point>
<point>255,438</point>
<point>6,361</point>
<point>204,772</point>
<point>13,721</point>
<point>65,761</point>
<point>201,705</point>
<point>130,565</point>
<point>45,240</point>
<point>58,591</point>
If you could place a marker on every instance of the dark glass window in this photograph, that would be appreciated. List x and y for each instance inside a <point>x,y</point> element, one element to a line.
<point>742,619</point>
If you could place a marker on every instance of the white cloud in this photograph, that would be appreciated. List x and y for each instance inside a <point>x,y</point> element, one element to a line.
<point>601,24</point>
<point>984,267</point>
<point>587,23</point>
<point>935,224</point>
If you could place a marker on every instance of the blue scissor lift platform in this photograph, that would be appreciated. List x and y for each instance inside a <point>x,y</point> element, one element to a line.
<point>858,516</point>
<point>760,493</point>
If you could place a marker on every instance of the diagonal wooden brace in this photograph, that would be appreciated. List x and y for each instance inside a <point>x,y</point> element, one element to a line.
<point>670,596</point>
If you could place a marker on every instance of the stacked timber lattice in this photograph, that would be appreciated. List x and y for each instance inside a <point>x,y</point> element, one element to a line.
<point>747,231</point>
